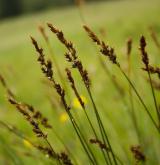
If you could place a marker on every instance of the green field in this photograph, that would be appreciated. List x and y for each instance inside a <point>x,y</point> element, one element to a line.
<point>19,66</point>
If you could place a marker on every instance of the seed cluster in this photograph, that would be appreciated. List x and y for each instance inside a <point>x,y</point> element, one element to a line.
<point>138,155</point>
<point>100,144</point>
<point>104,49</point>
<point>64,158</point>
<point>143,51</point>
<point>22,109</point>
<point>71,80</point>
<point>71,54</point>
<point>153,70</point>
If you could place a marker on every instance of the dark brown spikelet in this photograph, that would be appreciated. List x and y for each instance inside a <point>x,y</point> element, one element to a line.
<point>104,49</point>
<point>100,144</point>
<point>129,47</point>
<point>37,115</point>
<point>63,40</point>
<point>64,158</point>
<point>109,52</point>
<point>61,93</point>
<point>47,69</point>
<point>39,51</point>
<point>92,35</point>
<point>22,109</point>
<point>47,151</point>
<point>143,51</point>
<point>138,155</point>
<point>71,55</point>
<point>71,80</point>
<point>46,66</point>
<point>42,31</point>
<point>84,74</point>
<point>68,57</point>
<point>153,70</point>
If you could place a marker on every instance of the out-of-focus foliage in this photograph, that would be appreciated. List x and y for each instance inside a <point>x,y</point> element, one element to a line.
<point>10,7</point>
<point>15,7</point>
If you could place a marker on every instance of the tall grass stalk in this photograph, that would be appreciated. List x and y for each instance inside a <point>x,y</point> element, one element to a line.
<point>52,54</point>
<point>109,52</point>
<point>46,67</point>
<point>73,86</point>
<point>76,63</point>
<point>145,60</point>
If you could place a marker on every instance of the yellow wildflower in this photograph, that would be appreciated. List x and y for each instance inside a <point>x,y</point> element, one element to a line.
<point>63,117</point>
<point>76,103</point>
<point>27,143</point>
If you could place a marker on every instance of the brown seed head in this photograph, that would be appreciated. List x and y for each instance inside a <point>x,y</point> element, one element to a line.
<point>92,35</point>
<point>100,144</point>
<point>153,70</point>
<point>71,80</point>
<point>22,109</point>
<point>63,40</point>
<point>104,49</point>
<point>64,158</point>
<point>143,51</point>
<point>129,46</point>
<point>138,155</point>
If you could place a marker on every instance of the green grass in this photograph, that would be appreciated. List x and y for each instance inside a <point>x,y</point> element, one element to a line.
<point>120,19</point>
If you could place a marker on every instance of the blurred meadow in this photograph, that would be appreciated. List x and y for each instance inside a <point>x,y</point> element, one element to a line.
<point>114,22</point>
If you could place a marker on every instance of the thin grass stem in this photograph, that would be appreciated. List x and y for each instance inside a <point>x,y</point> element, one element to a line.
<point>139,97</point>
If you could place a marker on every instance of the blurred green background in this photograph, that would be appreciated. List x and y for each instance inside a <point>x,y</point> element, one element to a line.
<point>10,8</point>
<point>18,64</point>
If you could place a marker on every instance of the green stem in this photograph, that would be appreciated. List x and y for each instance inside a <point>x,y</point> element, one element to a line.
<point>154,97</point>
<point>102,130</point>
<point>139,97</point>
